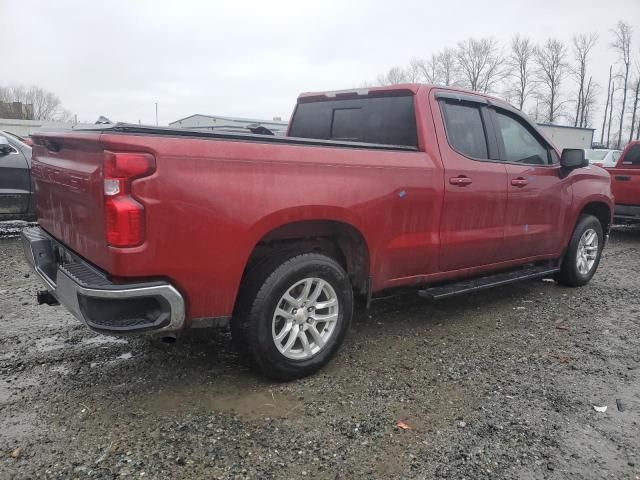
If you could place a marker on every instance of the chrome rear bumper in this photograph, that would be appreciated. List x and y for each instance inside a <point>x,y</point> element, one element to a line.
<point>150,307</point>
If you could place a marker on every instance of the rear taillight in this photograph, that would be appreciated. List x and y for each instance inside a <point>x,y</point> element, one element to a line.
<point>124,215</point>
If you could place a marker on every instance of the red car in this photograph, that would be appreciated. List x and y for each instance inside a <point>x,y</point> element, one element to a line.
<point>152,230</point>
<point>625,183</point>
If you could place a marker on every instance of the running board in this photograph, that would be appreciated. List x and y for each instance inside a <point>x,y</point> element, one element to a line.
<point>489,281</point>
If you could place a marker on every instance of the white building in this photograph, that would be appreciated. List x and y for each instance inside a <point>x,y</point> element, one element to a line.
<point>214,122</point>
<point>567,137</point>
<point>24,128</point>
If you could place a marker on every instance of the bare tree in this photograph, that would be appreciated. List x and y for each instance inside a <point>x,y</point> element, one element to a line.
<point>551,70</point>
<point>589,101</point>
<point>622,43</point>
<point>428,69</point>
<point>606,106</point>
<point>448,67</point>
<point>636,94</point>
<point>481,63</point>
<point>521,69</point>
<point>394,76</point>
<point>613,89</point>
<point>42,105</point>
<point>582,46</point>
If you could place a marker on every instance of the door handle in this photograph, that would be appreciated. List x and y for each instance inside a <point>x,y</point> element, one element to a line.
<point>519,182</point>
<point>460,181</point>
<point>623,178</point>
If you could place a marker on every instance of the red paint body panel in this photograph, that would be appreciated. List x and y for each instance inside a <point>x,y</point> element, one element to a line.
<point>210,201</point>
<point>625,180</point>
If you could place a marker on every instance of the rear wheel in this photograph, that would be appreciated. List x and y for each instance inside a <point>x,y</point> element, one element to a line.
<point>293,314</point>
<point>583,254</point>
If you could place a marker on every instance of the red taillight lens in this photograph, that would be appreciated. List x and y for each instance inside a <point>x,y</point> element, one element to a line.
<point>124,215</point>
<point>125,221</point>
<point>127,165</point>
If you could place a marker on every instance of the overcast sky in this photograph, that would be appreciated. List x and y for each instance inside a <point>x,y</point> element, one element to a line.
<point>252,58</point>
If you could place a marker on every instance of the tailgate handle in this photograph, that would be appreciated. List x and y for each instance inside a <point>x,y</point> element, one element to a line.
<point>623,178</point>
<point>460,181</point>
<point>519,182</point>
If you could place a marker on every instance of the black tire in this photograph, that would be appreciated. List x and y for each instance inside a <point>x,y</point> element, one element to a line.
<point>569,274</point>
<point>262,289</point>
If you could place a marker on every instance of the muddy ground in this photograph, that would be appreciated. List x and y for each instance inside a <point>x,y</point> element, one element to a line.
<point>498,384</point>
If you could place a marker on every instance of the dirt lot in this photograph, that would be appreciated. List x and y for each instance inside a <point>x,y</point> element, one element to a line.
<point>499,384</point>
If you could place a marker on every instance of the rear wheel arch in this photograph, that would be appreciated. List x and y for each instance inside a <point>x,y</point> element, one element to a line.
<point>337,239</point>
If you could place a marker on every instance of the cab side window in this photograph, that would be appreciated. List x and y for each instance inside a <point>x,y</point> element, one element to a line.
<point>632,157</point>
<point>465,129</point>
<point>520,144</point>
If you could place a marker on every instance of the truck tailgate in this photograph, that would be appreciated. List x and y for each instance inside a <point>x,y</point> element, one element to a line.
<point>67,172</point>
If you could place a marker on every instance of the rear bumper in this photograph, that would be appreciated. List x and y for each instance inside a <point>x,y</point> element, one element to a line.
<point>627,213</point>
<point>152,307</point>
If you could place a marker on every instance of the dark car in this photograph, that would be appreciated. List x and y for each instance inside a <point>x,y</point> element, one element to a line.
<point>16,190</point>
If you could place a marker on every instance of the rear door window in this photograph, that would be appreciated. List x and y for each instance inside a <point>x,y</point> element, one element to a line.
<point>386,120</point>
<point>465,129</point>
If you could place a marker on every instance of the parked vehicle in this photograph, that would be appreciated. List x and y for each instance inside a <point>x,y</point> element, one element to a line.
<point>26,140</point>
<point>154,230</point>
<point>602,158</point>
<point>625,183</point>
<point>16,191</point>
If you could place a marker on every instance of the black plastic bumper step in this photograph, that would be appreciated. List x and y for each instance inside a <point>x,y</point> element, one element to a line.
<point>488,281</point>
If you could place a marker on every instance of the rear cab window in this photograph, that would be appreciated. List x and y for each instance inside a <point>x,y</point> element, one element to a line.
<point>386,120</point>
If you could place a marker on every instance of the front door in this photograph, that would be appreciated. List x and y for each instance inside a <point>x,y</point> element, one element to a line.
<point>538,196</point>
<point>475,185</point>
<point>625,177</point>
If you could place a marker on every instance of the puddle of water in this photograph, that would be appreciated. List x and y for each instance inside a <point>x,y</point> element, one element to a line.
<point>104,340</point>
<point>49,344</point>
<point>60,369</point>
<point>248,404</point>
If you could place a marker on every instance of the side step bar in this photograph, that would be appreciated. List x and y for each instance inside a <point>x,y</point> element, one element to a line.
<point>489,281</point>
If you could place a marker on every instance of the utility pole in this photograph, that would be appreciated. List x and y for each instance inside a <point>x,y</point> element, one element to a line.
<point>156,114</point>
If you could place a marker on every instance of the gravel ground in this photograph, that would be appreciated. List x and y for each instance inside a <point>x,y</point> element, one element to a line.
<point>497,384</point>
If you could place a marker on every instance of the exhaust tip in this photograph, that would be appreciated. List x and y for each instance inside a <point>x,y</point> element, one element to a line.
<point>169,339</point>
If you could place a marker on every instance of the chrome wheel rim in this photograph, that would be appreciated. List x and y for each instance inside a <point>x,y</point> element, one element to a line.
<point>587,251</point>
<point>305,319</point>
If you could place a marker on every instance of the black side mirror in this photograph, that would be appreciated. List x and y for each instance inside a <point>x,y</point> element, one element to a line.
<point>573,158</point>
<point>5,148</point>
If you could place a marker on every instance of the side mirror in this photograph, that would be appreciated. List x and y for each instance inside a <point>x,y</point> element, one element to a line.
<point>5,147</point>
<point>573,158</point>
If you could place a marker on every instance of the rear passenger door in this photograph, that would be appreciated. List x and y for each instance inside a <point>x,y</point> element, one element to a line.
<point>538,196</point>
<point>475,183</point>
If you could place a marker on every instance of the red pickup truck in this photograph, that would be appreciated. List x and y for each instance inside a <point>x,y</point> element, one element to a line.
<point>154,230</point>
<point>625,183</point>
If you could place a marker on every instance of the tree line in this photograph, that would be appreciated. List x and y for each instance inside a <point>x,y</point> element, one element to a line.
<point>36,104</point>
<point>550,81</point>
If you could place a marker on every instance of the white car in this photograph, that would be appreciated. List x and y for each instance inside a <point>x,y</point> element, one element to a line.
<point>602,157</point>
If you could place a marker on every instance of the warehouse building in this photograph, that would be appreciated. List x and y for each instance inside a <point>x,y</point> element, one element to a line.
<point>567,137</point>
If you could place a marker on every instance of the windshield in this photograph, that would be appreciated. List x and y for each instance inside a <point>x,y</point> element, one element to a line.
<point>595,155</point>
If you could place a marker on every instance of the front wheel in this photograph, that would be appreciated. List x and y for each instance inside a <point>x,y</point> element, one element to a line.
<point>294,313</point>
<point>583,254</point>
